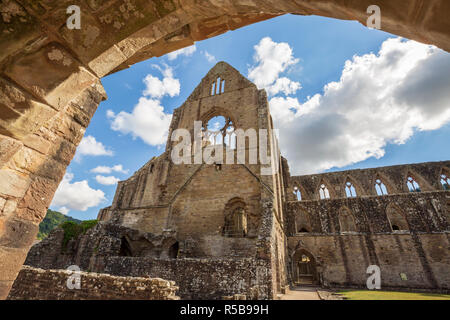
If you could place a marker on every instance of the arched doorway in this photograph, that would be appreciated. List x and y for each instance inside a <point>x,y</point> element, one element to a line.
<point>304,268</point>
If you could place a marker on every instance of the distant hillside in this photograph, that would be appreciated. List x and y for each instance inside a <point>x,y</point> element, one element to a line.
<point>51,221</point>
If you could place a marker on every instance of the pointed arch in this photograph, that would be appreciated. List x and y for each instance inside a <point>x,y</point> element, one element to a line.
<point>299,192</point>
<point>382,185</point>
<point>420,184</point>
<point>444,179</point>
<point>304,267</point>
<point>302,221</point>
<point>323,190</point>
<point>351,188</point>
<point>397,218</point>
<point>346,220</point>
<point>412,184</point>
<point>236,217</point>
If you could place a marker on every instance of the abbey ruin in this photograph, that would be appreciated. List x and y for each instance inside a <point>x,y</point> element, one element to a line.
<point>50,88</point>
<point>220,229</point>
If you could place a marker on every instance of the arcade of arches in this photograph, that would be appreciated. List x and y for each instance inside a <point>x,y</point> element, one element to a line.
<point>43,115</point>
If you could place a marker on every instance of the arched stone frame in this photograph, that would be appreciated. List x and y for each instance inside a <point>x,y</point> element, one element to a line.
<point>358,189</point>
<point>396,218</point>
<point>328,185</point>
<point>297,256</point>
<point>229,213</point>
<point>423,184</point>
<point>390,187</point>
<point>347,221</point>
<point>157,30</point>
<point>217,112</point>
<point>169,248</point>
<point>304,194</point>
<point>444,171</point>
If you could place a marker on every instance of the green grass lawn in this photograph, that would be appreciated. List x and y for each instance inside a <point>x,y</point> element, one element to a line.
<point>391,295</point>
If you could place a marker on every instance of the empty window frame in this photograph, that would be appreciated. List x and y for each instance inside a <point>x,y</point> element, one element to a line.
<point>323,192</point>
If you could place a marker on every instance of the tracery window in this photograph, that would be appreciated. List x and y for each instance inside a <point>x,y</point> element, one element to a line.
<point>380,187</point>
<point>412,184</point>
<point>323,192</point>
<point>298,194</point>
<point>350,190</point>
<point>218,86</point>
<point>445,181</point>
<point>220,130</point>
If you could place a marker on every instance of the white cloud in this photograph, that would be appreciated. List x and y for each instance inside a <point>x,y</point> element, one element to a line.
<point>107,170</point>
<point>89,146</point>
<point>77,196</point>
<point>380,98</point>
<point>209,57</point>
<point>285,85</point>
<point>188,51</point>
<point>272,59</point>
<point>64,210</point>
<point>107,181</point>
<point>147,121</point>
<point>156,88</point>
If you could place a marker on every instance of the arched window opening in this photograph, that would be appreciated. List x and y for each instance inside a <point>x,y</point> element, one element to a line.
<point>323,192</point>
<point>380,188</point>
<point>445,181</point>
<point>173,250</point>
<point>125,248</point>
<point>412,184</point>
<point>346,221</point>
<point>303,230</point>
<point>350,190</point>
<point>218,86</point>
<point>236,224</point>
<point>304,268</point>
<point>396,219</point>
<point>298,194</point>
<point>218,131</point>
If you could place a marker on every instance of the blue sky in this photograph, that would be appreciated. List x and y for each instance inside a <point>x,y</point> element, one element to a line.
<point>318,48</point>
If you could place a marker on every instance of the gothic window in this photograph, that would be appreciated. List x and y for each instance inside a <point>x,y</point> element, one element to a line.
<point>218,131</point>
<point>412,184</point>
<point>218,86</point>
<point>323,192</point>
<point>236,224</point>
<point>346,221</point>
<point>380,188</point>
<point>298,194</point>
<point>350,190</point>
<point>445,181</point>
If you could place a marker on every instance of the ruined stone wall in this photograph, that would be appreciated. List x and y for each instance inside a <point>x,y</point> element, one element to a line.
<point>201,278</point>
<point>394,178</point>
<point>343,259</point>
<point>402,232</point>
<point>39,284</point>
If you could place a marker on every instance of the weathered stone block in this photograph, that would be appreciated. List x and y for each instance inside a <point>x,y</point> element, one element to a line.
<point>18,234</point>
<point>12,183</point>
<point>63,80</point>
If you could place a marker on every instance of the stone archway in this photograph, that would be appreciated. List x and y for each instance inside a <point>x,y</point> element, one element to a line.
<point>43,115</point>
<point>304,270</point>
